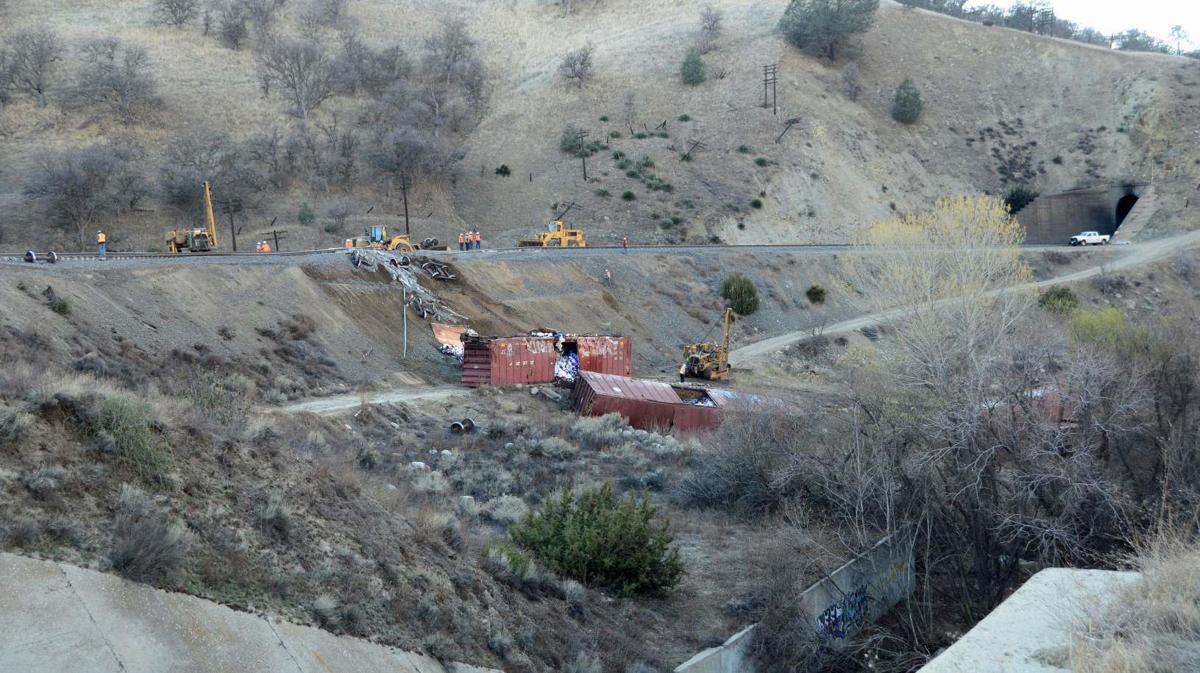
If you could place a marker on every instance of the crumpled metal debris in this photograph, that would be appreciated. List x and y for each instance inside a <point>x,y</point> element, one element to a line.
<point>400,268</point>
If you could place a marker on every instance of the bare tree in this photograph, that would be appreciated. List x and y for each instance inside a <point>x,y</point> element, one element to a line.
<point>360,68</point>
<point>710,28</point>
<point>303,71</point>
<point>200,155</point>
<point>455,78</point>
<point>176,13</point>
<point>118,77</point>
<point>231,25</point>
<point>79,187</point>
<point>577,65</point>
<point>33,57</point>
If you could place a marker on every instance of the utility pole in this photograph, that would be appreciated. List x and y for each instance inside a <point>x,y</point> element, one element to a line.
<point>580,136</point>
<point>695,145</point>
<point>232,206</point>
<point>277,234</point>
<point>770,78</point>
<point>405,183</point>
<point>787,127</point>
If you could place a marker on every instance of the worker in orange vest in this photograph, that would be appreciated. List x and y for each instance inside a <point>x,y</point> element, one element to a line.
<point>266,247</point>
<point>478,240</point>
<point>625,245</point>
<point>101,243</point>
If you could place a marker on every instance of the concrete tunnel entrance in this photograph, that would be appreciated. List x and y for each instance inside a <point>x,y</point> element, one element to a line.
<point>1054,218</point>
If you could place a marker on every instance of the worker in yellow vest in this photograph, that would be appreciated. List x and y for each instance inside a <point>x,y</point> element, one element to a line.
<point>102,243</point>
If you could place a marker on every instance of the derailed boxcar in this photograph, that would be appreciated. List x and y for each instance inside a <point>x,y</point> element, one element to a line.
<point>649,405</point>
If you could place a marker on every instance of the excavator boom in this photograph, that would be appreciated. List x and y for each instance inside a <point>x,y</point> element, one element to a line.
<point>210,219</point>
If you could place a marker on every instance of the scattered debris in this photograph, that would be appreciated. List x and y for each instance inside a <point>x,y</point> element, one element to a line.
<point>399,267</point>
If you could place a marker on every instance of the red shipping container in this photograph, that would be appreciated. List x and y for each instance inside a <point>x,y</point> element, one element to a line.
<point>507,361</point>
<point>649,405</point>
<point>500,361</point>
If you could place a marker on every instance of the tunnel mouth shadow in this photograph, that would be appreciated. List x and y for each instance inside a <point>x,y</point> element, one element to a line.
<point>1125,206</point>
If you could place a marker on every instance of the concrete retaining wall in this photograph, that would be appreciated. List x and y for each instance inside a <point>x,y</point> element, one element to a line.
<point>1054,218</point>
<point>57,618</point>
<point>858,592</point>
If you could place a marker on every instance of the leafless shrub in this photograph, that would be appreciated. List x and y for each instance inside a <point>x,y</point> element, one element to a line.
<point>117,76</point>
<point>22,531</point>
<point>33,57</point>
<point>597,434</point>
<point>146,546</point>
<point>176,13</point>
<point>738,468</point>
<point>852,85</point>
<point>15,425</point>
<point>302,69</point>
<point>577,65</point>
<point>275,517</point>
<point>710,28</point>
<point>338,213</point>
<point>583,663</point>
<point>1057,257</point>
<point>231,25</point>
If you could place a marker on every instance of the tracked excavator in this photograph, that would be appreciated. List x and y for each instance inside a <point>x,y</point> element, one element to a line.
<point>196,240</point>
<point>710,360</point>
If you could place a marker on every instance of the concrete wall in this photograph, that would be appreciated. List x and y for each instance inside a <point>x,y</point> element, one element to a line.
<point>862,590</point>
<point>1030,632</point>
<point>1054,218</point>
<point>858,592</point>
<point>57,618</point>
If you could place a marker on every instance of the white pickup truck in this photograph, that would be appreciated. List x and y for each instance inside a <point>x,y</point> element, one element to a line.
<point>1090,238</point>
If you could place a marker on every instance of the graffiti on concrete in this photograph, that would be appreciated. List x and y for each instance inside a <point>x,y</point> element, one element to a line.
<point>844,616</point>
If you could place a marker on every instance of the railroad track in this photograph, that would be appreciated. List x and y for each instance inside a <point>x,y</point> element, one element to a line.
<point>65,257</point>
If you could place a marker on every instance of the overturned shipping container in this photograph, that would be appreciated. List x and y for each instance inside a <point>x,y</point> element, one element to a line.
<point>500,361</point>
<point>649,405</point>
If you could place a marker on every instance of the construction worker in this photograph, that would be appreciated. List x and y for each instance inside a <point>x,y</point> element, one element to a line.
<point>608,277</point>
<point>266,247</point>
<point>625,245</point>
<point>461,238</point>
<point>478,240</point>
<point>101,243</point>
<point>683,372</point>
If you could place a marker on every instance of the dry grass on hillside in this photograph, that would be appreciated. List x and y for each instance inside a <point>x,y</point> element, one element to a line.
<point>1154,624</point>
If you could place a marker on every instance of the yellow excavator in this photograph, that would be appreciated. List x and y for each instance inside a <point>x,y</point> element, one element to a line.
<point>708,360</point>
<point>556,235</point>
<point>196,240</point>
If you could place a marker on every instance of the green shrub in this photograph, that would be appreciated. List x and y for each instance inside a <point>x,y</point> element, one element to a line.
<point>741,293</point>
<point>685,118</point>
<point>629,196</point>
<point>306,216</point>
<point>599,539</point>
<point>692,70</point>
<point>744,149</point>
<point>907,104</point>
<point>1059,300</point>
<point>1019,197</point>
<point>823,27</point>
<point>816,294</point>
<point>129,424</point>
<point>572,143</point>
<point>603,193</point>
<point>1106,329</point>
<point>603,118</point>
<point>761,161</point>
<point>504,170</point>
<point>756,204</point>
<point>146,546</point>
<point>60,306</point>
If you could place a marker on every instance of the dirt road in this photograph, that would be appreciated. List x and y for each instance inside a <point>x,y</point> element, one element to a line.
<point>1135,255</point>
<point>340,403</point>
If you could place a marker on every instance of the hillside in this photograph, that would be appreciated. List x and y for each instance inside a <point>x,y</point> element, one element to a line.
<point>1047,113</point>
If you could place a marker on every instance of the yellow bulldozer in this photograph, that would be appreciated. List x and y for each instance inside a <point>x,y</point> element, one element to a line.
<point>557,235</point>
<point>708,360</point>
<point>376,238</point>
<point>196,240</point>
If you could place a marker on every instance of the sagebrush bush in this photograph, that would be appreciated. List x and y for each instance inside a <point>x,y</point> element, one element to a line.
<point>600,539</point>
<point>43,480</point>
<point>130,426</point>
<point>597,433</point>
<point>741,293</point>
<point>146,546</point>
<point>506,510</point>
<point>1059,300</point>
